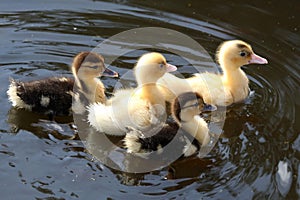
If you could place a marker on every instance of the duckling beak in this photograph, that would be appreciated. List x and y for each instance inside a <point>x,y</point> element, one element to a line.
<point>110,73</point>
<point>209,108</point>
<point>170,68</point>
<point>256,59</point>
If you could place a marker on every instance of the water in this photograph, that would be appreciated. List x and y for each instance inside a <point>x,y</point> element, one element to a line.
<point>258,157</point>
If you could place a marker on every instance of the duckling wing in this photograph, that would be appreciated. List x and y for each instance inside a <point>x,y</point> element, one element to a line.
<point>120,111</point>
<point>136,142</point>
<point>138,110</point>
<point>208,85</point>
<point>211,87</point>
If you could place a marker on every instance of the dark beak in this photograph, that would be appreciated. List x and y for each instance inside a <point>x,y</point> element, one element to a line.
<point>110,73</point>
<point>209,108</point>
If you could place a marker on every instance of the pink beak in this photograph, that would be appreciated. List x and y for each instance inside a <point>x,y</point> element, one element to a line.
<point>170,68</point>
<point>256,59</point>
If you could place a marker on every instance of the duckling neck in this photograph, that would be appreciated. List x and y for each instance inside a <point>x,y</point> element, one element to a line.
<point>93,89</point>
<point>237,82</point>
<point>234,77</point>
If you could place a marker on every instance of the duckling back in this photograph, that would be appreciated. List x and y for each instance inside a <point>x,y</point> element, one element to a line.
<point>121,111</point>
<point>49,96</point>
<point>211,87</point>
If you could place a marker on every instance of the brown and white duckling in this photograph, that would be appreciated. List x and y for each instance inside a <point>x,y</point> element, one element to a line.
<point>53,96</point>
<point>142,107</point>
<point>219,89</point>
<point>185,111</point>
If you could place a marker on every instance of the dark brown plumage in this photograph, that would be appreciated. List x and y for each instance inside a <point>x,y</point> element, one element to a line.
<point>55,100</point>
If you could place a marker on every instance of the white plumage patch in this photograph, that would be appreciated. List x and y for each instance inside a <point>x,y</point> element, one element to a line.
<point>103,119</point>
<point>14,98</point>
<point>92,116</point>
<point>63,79</point>
<point>45,101</point>
<point>160,149</point>
<point>131,141</point>
<point>189,149</point>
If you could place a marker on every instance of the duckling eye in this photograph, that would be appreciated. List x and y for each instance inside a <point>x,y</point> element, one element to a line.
<point>195,105</point>
<point>161,65</point>
<point>190,106</point>
<point>94,67</point>
<point>243,54</point>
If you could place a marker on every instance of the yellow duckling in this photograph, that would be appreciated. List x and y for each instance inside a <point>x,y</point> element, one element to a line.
<point>185,111</point>
<point>53,96</point>
<point>218,89</point>
<point>142,107</point>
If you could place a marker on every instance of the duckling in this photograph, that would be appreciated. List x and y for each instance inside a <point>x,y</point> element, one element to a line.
<point>218,89</point>
<point>142,107</point>
<point>53,96</point>
<point>185,110</point>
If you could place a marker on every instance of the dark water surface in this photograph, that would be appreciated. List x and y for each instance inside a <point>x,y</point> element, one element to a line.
<point>257,159</point>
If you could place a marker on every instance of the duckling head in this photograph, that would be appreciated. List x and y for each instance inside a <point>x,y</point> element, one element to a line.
<point>187,105</point>
<point>235,53</point>
<point>152,66</point>
<point>89,65</point>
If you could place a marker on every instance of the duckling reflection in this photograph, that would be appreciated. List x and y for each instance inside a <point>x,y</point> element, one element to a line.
<point>188,168</point>
<point>38,124</point>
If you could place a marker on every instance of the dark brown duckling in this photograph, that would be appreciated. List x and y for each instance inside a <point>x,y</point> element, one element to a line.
<point>185,111</point>
<point>58,96</point>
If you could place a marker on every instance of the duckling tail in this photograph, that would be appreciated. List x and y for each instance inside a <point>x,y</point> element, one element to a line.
<point>132,140</point>
<point>13,94</point>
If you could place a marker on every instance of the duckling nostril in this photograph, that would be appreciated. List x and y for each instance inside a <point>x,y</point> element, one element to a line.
<point>209,108</point>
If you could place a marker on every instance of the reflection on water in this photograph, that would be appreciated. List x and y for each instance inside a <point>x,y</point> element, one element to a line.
<point>257,158</point>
